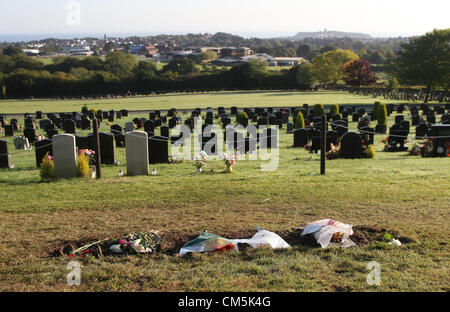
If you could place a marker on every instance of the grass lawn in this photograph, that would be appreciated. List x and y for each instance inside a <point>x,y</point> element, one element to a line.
<point>406,195</point>
<point>185,101</point>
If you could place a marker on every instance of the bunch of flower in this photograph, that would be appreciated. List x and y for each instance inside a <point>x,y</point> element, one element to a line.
<point>137,242</point>
<point>89,154</point>
<point>415,150</point>
<point>333,153</point>
<point>229,160</point>
<point>200,160</point>
<point>47,167</point>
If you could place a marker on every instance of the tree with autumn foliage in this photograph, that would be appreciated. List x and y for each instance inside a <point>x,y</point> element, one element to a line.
<point>358,73</point>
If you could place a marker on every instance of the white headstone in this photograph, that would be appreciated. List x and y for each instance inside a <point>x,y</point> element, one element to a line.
<point>21,142</point>
<point>136,143</point>
<point>65,156</point>
<point>129,126</point>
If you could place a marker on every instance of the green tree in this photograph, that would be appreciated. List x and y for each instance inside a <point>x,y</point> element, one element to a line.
<point>6,64</point>
<point>328,67</point>
<point>145,70</point>
<point>334,110</point>
<point>376,107</point>
<point>248,75</point>
<point>391,85</point>
<point>12,51</point>
<point>299,120</point>
<point>382,114</point>
<point>120,64</point>
<point>81,73</point>
<point>302,74</point>
<point>318,110</point>
<point>425,60</point>
<point>182,66</point>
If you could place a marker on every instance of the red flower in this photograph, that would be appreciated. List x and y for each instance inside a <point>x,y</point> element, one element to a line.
<point>71,256</point>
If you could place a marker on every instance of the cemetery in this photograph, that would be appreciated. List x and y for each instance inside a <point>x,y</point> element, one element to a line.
<point>73,183</point>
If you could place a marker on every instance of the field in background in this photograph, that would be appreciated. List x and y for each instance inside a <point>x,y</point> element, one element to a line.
<point>185,101</point>
<point>406,195</point>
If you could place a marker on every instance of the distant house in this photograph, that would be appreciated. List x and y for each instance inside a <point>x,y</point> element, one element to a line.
<point>271,61</point>
<point>77,50</point>
<point>235,52</point>
<point>288,61</point>
<point>31,52</point>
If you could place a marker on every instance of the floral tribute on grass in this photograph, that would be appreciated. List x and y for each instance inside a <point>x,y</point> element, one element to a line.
<point>133,243</point>
<point>47,167</point>
<point>200,161</point>
<point>230,161</point>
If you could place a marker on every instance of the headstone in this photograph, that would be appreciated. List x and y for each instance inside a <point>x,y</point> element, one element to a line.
<point>129,127</point>
<point>289,127</point>
<point>399,118</point>
<point>9,130</point>
<point>422,130</point>
<point>21,142</point>
<point>158,150</point>
<point>270,136</point>
<point>367,134</point>
<point>4,155</point>
<point>107,147</point>
<point>351,145</point>
<point>65,156</point>
<point>301,137</point>
<point>137,153</point>
<point>149,126</point>
<point>116,129</point>
<point>165,131</point>
<point>41,149</point>
<point>69,126</point>
<point>30,134</point>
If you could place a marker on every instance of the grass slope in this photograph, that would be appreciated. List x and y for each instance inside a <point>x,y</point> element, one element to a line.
<point>404,194</point>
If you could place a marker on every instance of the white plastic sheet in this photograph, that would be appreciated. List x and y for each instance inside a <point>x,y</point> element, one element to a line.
<point>264,238</point>
<point>324,230</point>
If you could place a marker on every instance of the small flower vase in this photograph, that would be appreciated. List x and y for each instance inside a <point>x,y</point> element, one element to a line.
<point>199,170</point>
<point>229,169</point>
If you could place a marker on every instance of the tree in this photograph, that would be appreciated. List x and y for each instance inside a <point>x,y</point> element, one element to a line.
<point>425,61</point>
<point>318,110</point>
<point>6,64</point>
<point>248,75</point>
<point>302,74</point>
<point>120,64</point>
<point>304,50</point>
<point>145,70</point>
<point>358,72</point>
<point>12,50</point>
<point>182,66</point>
<point>208,56</point>
<point>299,121</point>
<point>391,85</point>
<point>382,114</point>
<point>81,73</point>
<point>376,107</point>
<point>328,67</point>
<point>334,110</point>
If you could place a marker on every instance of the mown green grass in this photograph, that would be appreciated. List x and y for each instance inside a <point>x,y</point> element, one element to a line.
<point>186,101</point>
<point>405,194</point>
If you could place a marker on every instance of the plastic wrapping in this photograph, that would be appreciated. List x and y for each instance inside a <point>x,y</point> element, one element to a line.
<point>208,242</point>
<point>264,238</point>
<point>327,231</point>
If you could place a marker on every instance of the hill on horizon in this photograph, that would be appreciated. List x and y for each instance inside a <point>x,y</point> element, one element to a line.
<point>330,34</point>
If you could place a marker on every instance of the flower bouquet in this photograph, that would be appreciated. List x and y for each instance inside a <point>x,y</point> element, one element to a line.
<point>137,242</point>
<point>200,161</point>
<point>333,153</point>
<point>230,161</point>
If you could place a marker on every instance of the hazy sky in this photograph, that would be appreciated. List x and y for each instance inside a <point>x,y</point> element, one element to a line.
<point>244,17</point>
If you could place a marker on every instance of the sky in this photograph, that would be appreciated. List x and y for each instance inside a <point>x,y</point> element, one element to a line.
<point>248,18</point>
